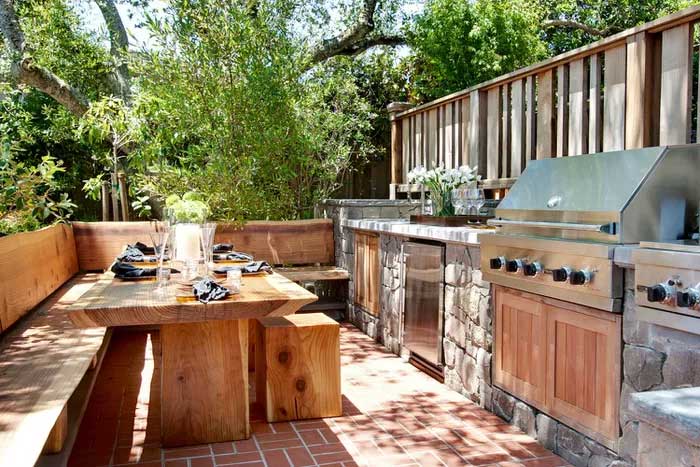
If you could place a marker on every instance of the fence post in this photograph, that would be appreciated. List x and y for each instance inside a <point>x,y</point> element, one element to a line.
<point>396,145</point>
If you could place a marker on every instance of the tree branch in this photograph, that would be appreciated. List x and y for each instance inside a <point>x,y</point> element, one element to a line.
<point>119,48</point>
<point>28,72</point>
<point>562,23</point>
<point>355,39</point>
<point>44,80</point>
<point>9,27</point>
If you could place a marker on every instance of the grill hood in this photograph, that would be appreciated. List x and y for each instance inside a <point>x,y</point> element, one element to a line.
<point>615,197</point>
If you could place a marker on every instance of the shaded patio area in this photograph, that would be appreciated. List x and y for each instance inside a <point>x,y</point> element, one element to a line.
<point>392,415</point>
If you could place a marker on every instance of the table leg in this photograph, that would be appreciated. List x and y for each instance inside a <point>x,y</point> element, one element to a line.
<point>204,392</point>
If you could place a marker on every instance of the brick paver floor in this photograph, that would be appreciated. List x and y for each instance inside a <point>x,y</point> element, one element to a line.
<point>393,415</point>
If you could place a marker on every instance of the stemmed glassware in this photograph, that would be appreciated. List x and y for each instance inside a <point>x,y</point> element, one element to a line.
<point>475,199</point>
<point>160,238</point>
<point>207,238</point>
<point>459,198</point>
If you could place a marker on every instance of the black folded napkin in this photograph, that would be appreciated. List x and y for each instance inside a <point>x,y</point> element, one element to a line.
<point>250,268</point>
<point>237,256</point>
<point>222,248</point>
<point>145,249</point>
<point>125,270</point>
<point>207,290</point>
<point>131,255</point>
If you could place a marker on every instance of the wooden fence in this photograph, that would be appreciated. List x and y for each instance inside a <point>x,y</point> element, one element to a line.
<point>634,89</point>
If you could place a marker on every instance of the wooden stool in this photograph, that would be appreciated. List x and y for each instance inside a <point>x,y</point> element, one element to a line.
<point>297,367</point>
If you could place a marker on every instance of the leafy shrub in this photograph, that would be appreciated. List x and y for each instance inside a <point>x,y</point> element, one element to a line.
<point>29,194</point>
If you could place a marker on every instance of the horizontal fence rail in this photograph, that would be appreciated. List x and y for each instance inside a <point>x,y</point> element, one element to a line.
<point>631,90</point>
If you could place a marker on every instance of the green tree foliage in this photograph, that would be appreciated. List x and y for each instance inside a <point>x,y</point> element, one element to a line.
<point>460,43</point>
<point>591,20</point>
<point>29,194</point>
<point>232,113</point>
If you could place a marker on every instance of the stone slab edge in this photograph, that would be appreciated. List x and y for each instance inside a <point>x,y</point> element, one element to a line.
<point>675,411</point>
<point>461,235</point>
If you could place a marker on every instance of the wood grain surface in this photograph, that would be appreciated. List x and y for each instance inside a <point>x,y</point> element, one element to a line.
<point>116,303</point>
<point>204,391</point>
<point>279,242</point>
<point>314,273</point>
<point>298,367</point>
<point>47,258</point>
<point>42,361</point>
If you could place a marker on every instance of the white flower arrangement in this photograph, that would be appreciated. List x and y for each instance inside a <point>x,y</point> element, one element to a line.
<point>441,181</point>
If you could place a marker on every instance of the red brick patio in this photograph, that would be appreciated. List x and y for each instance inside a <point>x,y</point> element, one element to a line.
<point>393,415</point>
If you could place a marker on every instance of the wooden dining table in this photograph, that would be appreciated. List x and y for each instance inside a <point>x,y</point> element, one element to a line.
<point>204,371</point>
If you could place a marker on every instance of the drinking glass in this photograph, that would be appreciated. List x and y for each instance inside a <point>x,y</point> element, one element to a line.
<point>459,200</point>
<point>160,238</point>
<point>476,199</point>
<point>207,237</point>
<point>233,280</point>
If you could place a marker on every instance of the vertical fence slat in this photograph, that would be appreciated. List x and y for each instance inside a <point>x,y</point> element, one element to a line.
<point>465,121</point>
<point>595,119</point>
<point>639,91</point>
<point>432,134</point>
<point>562,110</point>
<point>614,99</point>
<point>517,122</point>
<point>419,153</point>
<point>449,135</point>
<point>405,148</point>
<point>578,110</point>
<point>504,169</point>
<point>478,133</point>
<point>441,130</point>
<point>545,115</point>
<point>676,79</point>
<point>530,119</point>
<point>494,133</point>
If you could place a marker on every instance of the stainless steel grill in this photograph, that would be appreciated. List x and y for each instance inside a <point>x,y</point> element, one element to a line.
<point>559,224</point>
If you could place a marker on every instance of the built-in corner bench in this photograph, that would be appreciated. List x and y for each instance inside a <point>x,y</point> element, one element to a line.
<point>47,366</point>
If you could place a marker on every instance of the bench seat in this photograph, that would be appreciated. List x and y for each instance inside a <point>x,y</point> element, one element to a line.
<point>43,360</point>
<point>314,273</point>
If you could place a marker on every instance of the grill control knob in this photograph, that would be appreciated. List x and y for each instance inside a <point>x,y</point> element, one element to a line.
<point>660,293</point>
<point>532,269</point>
<point>688,298</point>
<point>561,274</point>
<point>514,265</point>
<point>581,277</point>
<point>497,263</point>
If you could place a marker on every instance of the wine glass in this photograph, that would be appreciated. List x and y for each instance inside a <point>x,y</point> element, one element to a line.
<point>160,238</point>
<point>459,200</point>
<point>207,238</point>
<point>476,199</point>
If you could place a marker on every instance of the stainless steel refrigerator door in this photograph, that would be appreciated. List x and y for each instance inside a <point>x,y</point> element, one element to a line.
<point>423,318</point>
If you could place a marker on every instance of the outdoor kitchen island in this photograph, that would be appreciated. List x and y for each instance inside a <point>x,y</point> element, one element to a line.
<point>567,361</point>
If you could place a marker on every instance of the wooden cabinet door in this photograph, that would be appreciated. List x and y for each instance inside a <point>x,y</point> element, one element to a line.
<point>583,368</point>
<point>520,345</point>
<point>367,279</point>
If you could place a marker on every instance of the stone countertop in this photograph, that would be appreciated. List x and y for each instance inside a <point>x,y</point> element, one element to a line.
<point>675,411</point>
<point>462,235</point>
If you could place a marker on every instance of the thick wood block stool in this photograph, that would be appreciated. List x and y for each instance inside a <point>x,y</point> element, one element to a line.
<point>297,367</point>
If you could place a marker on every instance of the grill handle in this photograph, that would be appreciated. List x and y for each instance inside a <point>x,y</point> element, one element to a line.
<point>610,229</point>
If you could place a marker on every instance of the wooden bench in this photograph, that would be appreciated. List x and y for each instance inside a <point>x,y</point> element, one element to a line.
<point>297,368</point>
<point>303,251</point>
<point>47,366</point>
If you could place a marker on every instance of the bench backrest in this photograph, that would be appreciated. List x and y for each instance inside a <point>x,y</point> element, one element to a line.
<point>32,266</point>
<point>277,242</point>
